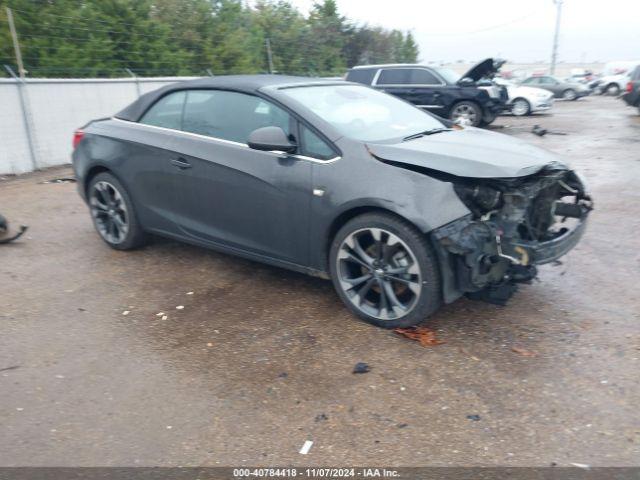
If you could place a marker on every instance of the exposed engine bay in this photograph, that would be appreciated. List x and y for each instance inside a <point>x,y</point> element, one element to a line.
<point>514,225</point>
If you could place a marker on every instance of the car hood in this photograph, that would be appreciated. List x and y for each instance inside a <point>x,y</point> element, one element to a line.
<point>470,152</point>
<point>486,68</point>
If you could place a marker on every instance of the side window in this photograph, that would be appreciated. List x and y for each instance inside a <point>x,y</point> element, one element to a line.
<point>313,146</point>
<point>420,76</point>
<point>230,115</point>
<point>531,81</point>
<point>547,81</point>
<point>396,76</point>
<point>361,75</point>
<point>166,112</point>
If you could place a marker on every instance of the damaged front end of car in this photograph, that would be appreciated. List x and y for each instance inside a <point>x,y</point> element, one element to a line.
<point>515,224</point>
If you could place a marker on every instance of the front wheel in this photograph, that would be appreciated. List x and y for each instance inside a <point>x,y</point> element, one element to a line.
<point>466,112</point>
<point>113,214</point>
<point>385,271</point>
<point>569,94</point>
<point>521,107</point>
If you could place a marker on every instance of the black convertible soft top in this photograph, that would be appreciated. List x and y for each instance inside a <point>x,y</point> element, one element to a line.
<point>239,83</point>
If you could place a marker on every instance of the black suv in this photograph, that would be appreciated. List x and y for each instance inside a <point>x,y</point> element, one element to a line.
<point>632,92</point>
<point>439,90</point>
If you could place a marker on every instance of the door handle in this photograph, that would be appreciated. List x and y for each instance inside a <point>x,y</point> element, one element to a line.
<point>181,163</point>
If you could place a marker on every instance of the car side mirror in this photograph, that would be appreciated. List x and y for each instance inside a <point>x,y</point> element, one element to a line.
<point>271,139</point>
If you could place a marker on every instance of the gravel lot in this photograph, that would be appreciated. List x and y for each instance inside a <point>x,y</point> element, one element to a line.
<point>260,359</point>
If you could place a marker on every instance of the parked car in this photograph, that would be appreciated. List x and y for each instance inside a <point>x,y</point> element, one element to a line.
<point>402,210</point>
<point>632,90</point>
<point>613,84</point>
<point>615,76</point>
<point>560,89</point>
<point>526,100</point>
<point>439,90</point>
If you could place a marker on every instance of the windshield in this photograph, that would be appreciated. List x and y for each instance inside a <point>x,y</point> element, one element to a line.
<point>362,113</point>
<point>449,75</point>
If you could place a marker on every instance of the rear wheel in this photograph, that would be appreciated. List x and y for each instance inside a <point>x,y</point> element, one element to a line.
<point>521,107</point>
<point>385,271</point>
<point>113,214</point>
<point>612,89</point>
<point>569,94</point>
<point>466,112</point>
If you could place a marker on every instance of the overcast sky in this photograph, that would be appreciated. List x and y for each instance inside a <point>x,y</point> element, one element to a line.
<point>518,30</point>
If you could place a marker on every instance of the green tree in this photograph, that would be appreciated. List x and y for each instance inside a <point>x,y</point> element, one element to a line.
<point>89,38</point>
<point>410,51</point>
<point>325,41</point>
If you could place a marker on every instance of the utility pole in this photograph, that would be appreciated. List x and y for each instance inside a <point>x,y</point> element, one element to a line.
<point>269,55</point>
<point>554,53</point>
<point>16,45</point>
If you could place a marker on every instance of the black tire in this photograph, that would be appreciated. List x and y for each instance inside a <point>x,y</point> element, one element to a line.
<point>570,94</point>
<point>104,220</point>
<point>472,109</point>
<point>612,90</point>
<point>488,119</point>
<point>520,107</point>
<point>422,260</point>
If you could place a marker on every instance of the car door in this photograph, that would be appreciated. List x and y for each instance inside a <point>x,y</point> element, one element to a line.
<point>228,194</point>
<point>551,84</point>
<point>148,150</point>
<point>418,86</point>
<point>394,81</point>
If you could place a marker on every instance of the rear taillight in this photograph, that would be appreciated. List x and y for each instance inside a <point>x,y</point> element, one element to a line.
<point>629,87</point>
<point>77,136</point>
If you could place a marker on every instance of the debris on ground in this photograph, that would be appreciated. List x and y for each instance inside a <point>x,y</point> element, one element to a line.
<point>283,375</point>
<point>6,235</point>
<point>581,465</point>
<point>538,130</point>
<point>13,367</point>
<point>306,447</point>
<point>60,180</point>
<point>523,352</point>
<point>541,132</point>
<point>424,335</point>
<point>361,367</point>
<point>180,307</point>
<point>402,425</point>
<point>322,417</point>
<point>474,417</point>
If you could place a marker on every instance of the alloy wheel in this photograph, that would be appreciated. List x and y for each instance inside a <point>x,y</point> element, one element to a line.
<point>569,95</point>
<point>109,212</point>
<point>520,107</point>
<point>466,112</point>
<point>379,273</point>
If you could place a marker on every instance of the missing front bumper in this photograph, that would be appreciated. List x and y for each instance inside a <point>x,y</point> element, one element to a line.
<point>475,258</point>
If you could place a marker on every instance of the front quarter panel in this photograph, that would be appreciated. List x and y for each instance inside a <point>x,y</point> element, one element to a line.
<point>358,180</point>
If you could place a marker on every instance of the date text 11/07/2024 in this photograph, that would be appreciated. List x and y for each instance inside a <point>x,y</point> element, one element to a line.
<point>315,473</point>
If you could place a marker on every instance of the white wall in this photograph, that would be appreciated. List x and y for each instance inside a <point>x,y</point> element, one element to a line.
<point>55,109</point>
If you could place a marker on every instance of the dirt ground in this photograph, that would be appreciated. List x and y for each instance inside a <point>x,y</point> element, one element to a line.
<point>259,360</point>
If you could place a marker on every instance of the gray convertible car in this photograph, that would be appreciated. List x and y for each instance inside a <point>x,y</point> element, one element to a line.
<point>401,209</point>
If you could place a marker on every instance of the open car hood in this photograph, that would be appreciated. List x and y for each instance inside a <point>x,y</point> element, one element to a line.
<point>470,152</point>
<point>485,69</point>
